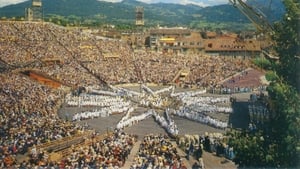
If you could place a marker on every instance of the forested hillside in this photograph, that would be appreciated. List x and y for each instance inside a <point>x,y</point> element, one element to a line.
<point>95,13</point>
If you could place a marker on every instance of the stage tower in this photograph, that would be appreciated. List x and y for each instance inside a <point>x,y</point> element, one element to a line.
<point>139,13</point>
<point>35,12</point>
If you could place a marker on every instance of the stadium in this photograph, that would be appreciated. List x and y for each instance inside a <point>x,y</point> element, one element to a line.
<point>72,99</point>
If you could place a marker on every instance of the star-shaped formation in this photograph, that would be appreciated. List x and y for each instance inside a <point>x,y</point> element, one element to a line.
<point>160,104</point>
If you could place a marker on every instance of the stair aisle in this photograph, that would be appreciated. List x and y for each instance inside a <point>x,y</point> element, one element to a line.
<point>181,153</point>
<point>132,154</point>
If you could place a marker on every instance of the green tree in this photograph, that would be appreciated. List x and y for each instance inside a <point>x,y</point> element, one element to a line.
<point>284,93</point>
<point>250,149</point>
<point>285,122</point>
<point>287,37</point>
<point>280,146</point>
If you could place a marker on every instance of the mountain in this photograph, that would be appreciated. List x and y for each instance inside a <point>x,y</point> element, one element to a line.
<point>272,9</point>
<point>92,11</point>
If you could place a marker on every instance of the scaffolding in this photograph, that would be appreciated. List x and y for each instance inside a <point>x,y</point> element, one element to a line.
<point>258,19</point>
<point>139,19</point>
<point>28,14</point>
<point>261,23</point>
<point>35,12</point>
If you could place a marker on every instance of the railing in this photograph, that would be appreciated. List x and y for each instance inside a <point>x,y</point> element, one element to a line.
<point>88,142</point>
<point>63,143</point>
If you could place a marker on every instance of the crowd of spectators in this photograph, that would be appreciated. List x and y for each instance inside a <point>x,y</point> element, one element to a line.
<point>157,151</point>
<point>154,67</point>
<point>217,144</point>
<point>34,45</point>
<point>28,116</point>
<point>80,51</point>
<point>28,112</point>
<point>211,142</point>
<point>110,152</point>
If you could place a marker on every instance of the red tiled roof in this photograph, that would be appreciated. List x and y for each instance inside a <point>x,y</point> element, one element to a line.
<point>170,31</point>
<point>231,44</point>
<point>194,37</point>
<point>211,34</point>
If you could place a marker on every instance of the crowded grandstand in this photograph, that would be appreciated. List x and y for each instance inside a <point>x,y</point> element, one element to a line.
<point>45,67</point>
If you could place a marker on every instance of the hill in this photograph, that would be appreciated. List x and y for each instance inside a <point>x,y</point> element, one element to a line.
<point>273,10</point>
<point>93,12</point>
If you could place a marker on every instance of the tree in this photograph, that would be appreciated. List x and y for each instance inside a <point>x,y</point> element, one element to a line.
<point>250,149</point>
<point>287,37</point>
<point>280,146</point>
<point>285,122</point>
<point>284,92</point>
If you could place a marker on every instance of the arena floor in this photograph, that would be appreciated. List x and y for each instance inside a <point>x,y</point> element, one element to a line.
<point>238,119</point>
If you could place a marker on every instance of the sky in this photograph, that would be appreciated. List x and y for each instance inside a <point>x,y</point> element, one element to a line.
<point>202,3</point>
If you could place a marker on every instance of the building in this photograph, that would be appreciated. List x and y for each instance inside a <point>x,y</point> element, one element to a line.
<point>175,40</point>
<point>193,43</point>
<point>232,46</point>
<point>210,35</point>
<point>136,40</point>
<point>183,40</point>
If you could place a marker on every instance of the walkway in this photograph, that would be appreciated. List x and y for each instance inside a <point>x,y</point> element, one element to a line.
<point>132,155</point>
<point>212,161</point>
<point>136,147</point>
<point>233,76</point>
<point>188,163</point>
<point>253,78</point>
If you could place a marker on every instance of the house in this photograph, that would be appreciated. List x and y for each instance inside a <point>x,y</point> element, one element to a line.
<point>232,46</point>
<point>175,40</point>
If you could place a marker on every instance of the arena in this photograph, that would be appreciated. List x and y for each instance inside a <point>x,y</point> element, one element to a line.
<point>70,99</point>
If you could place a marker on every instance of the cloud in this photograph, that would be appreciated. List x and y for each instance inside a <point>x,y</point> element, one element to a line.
<point>111,0</point>
<point>183,2</point>
<point>9,2</point>
<point>202,3</point>
<point>212,2</point>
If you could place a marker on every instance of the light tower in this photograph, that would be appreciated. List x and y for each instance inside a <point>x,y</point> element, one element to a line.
<point>34,13</point>
<point>139,16</point>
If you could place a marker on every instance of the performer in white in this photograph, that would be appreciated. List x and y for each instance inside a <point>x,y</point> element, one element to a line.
<point>191,105</point>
